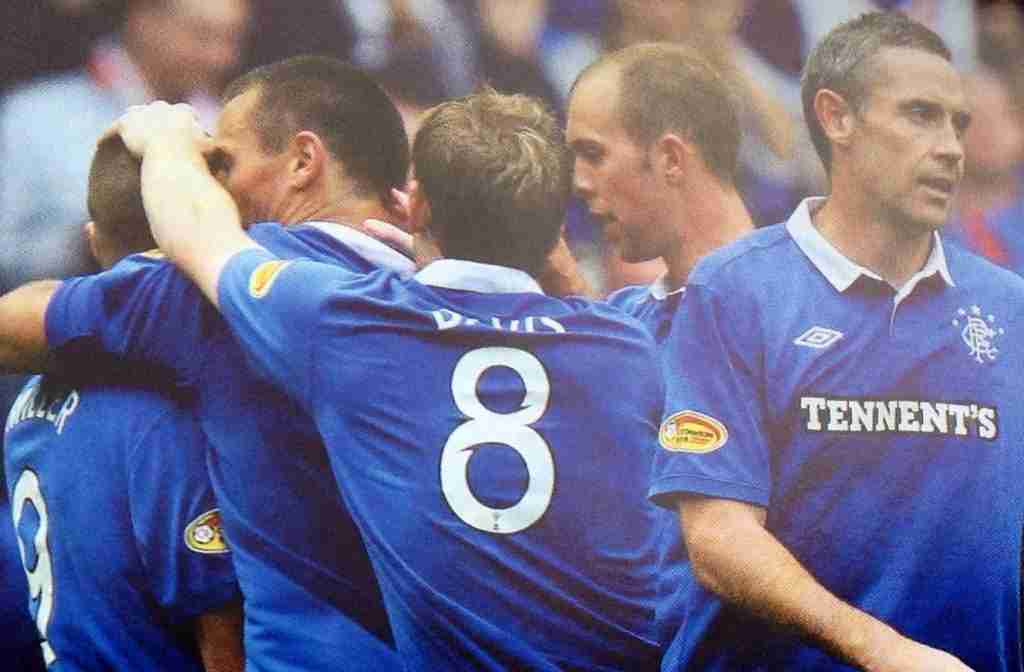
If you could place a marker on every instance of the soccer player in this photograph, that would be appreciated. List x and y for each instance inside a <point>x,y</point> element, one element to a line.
<point>841,435</point>
<point>484,435</point>
<point>117,525</point>
<point>661,177</point>
<point>312,144</point>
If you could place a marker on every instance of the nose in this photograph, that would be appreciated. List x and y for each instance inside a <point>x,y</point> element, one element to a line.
<point>949,147</point>
<point>582,181</point>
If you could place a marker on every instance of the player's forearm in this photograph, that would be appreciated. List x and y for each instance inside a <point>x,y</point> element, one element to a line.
<point>733,555</point>
<point>23,347</point>
<point>193,219</point>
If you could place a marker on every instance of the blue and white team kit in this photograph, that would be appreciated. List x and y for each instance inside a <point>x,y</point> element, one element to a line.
<point>311,599</point>
<point>116,523</point>
<point>878,427</point>
<point>489,446</point>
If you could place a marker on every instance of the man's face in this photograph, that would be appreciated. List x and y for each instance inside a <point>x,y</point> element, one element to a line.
<point>255,178</point>
<point>613,174</point>
<point>995,141</point>
<point>907,149</point>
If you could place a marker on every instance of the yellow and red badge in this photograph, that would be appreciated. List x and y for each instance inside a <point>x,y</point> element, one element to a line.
<point>263,277</point>
<point>692,432</point>
<point>205,534</point>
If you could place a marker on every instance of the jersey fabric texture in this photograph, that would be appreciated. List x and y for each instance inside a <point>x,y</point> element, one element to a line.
<point>878,428</point>
<point>312,601</point>
<point>493,444</point>
<point>655,306</point>
<point>19,646</point>
<point>109,491</point>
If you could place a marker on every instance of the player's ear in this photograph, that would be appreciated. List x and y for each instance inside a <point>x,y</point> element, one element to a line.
<point>671,155</point>
<point>835,115</point>
<point>308,158</point>
<point>90,235</point>
<point>419,209</point>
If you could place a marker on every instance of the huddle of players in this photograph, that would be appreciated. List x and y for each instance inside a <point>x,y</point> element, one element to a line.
<point>817,414</point>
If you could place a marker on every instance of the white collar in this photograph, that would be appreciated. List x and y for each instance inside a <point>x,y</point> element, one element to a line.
<point>660,290</point>
<point>369,248</point>
<point>839,269</point>
<point>476,277</point>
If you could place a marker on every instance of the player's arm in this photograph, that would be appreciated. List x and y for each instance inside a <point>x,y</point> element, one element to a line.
<point>193,218</point>
<point>23,346</point>
<point>765,579</point>
<point>721,488</point>
<point>219,639</point>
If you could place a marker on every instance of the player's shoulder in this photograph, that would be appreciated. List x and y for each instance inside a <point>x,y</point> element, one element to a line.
<point>763,251</point>
<point>973,272</point>
<point>628,298</point>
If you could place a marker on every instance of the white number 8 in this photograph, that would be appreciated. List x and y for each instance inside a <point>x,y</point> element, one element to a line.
<point>510,429</point>
<point>40,578</point>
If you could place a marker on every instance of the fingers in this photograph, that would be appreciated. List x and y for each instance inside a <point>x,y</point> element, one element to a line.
<point>390,235</point>
<point>141,124</point>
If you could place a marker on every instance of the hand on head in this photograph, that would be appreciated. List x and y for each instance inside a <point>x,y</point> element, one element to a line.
<point>142,126</point>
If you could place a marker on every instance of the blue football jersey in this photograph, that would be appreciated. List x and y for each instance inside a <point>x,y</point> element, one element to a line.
<point>653,305</point>
<point>493,444</point>
<point>311,599</point>
<point>878,428</point>
<point>117,524</point>
<point>19,646</point>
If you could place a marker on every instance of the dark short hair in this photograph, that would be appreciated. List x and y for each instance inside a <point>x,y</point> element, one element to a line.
<point>348,110</point>
<point>671,88</point>
<point>495,170</point>
<point>115,195</point>
<point>841,63</point>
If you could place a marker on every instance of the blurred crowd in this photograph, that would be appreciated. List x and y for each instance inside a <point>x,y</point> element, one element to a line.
<point>70,66</point>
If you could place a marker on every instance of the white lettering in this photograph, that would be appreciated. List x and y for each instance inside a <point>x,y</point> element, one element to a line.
<point>813,406</point>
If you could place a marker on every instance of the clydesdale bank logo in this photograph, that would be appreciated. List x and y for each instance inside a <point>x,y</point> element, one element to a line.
<point>899,416</point>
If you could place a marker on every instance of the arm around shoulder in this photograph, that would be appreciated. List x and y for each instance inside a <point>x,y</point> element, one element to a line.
<point>733,555</point>
<point>23,345</point>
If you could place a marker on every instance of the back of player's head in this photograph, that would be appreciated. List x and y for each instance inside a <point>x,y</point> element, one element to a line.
<point>841,62</point>
<point>495,170</point>
<point>115,197</point>
<point>341,104</point>
<point>670,88</point>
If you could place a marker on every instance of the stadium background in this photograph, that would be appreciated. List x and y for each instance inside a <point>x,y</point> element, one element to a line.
<point>427,50</point>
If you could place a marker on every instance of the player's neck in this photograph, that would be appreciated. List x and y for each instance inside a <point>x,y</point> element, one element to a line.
<point>867,238</point>
<point>714,216</point>
<point>348,212</point>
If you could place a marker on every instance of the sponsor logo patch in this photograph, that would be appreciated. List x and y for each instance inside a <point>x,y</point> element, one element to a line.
<point>263,277</point>
<point>692,432</point>
<point>205,535</point>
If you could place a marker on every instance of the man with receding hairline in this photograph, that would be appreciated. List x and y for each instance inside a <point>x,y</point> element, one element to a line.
<point>841,431</point>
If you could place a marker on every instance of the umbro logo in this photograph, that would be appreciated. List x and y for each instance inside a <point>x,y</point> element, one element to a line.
<point>818,338</point>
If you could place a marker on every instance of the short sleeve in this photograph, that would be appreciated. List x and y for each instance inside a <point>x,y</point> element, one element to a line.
<point>711,440</point>
<point>176,521</point>
<point>142,309</point>
<point>274,307</point>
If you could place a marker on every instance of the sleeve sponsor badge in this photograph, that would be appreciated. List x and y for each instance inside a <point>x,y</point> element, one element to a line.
<point>263,277</point>
<point>205,535</point>
<point>692,432</point>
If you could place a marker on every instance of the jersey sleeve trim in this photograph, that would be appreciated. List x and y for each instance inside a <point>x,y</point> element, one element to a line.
<point>666,490</point>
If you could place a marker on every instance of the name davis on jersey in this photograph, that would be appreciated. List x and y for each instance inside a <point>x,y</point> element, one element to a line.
<point>899,416</point>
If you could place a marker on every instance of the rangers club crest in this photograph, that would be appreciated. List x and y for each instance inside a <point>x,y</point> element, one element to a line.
<point>979,332</point>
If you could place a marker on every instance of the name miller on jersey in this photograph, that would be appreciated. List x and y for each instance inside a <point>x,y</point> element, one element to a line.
<point>900,416</point>
<point>55,406</point>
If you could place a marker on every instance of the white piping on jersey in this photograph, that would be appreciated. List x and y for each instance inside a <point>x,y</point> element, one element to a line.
<point>659,288</point>
<point>476,277</point>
